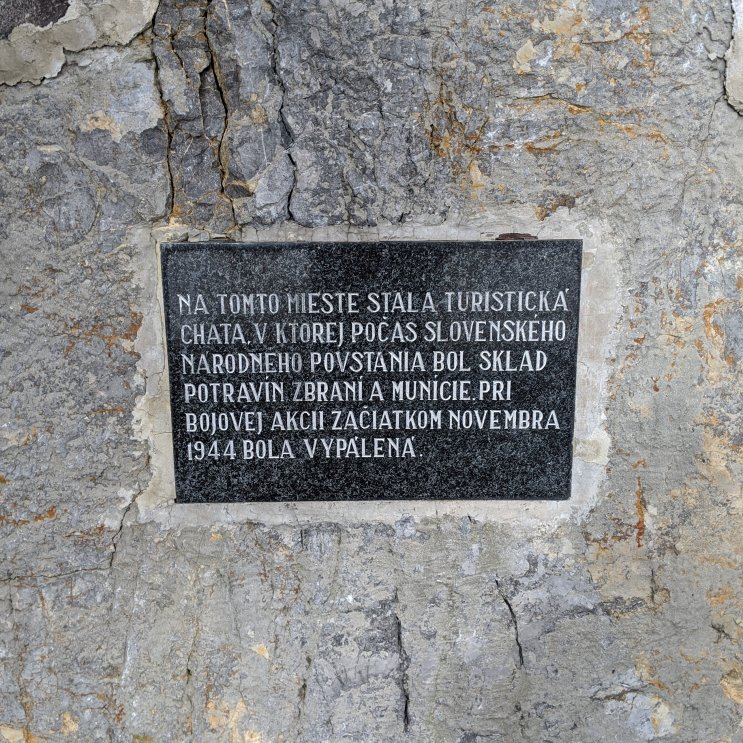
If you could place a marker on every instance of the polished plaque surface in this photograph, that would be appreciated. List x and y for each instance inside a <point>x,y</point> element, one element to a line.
<point>372,371</point>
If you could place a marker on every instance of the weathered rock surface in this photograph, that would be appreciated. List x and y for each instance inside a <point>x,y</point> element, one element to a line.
<point>125,618</point>
<point>35,48</point>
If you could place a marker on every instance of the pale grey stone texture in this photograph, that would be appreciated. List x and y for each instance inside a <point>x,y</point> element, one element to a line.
<point>36,48</point>
<point>123,621</point>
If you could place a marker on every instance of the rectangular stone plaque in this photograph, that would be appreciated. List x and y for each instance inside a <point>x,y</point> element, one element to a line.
<point>372,371</point>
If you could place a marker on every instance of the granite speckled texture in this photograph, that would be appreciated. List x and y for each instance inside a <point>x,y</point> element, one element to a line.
<point>612,616</point>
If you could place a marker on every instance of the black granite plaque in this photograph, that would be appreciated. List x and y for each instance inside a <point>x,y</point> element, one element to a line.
<point>372,371</point>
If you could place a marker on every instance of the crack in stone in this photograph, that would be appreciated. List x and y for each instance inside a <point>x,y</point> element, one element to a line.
<point>236,626</point>
<point>287,136</point>
<point>404,661</point>
<point>618,696</point>
<point>168,134</point>
<point>182,47</point>
<point>54,576</point>
<point>513,619</point>
<point>119,531</point>
<point>221,91</point>
<point>190,690</point>
<point>302,692</point>
<point>79,571</point>
<point>24,698</point>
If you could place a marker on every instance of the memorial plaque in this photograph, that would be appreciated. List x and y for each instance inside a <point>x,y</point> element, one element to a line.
<point>372,371</point>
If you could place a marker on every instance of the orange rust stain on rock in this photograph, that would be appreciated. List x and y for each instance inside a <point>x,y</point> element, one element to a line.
<point>454,136</point>
<point>130,333</point>
<point>29,309</point>
<point>69,724</point>
<point>476,175</point>
<point>640,508</point>
<point>732,685</point>
<point>36,288</point>
<point>104,332</point>
<point>564,23</point>
<point>675,326</point>
<point>176,213</point>
<point>113,410</point>
<point>536,149</point>
<point>632,130</point>
<point>3,480</point>
<point>86,536</point>
<point>647,672</point>
<point>545,146</point>
<point>642,39</point>
<point>639,463</point>
<point>543,211</point>
<point>49,514</point>
<point>716,359</point>
<point>657,136</point>
<point>541,100</point>
<point>261,650</point>
<point>719,561</point>
<point>711,329</point>
<point>715,599</point>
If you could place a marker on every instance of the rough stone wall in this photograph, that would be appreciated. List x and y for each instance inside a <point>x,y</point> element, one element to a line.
<point>613,617</point>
